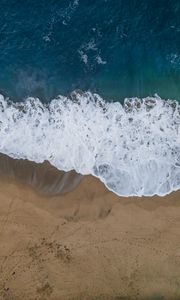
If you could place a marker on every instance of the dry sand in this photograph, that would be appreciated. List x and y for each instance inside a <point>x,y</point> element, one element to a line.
<point>87,244</point>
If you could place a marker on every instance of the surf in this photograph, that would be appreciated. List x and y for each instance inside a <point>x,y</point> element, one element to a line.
<point>133,148</point>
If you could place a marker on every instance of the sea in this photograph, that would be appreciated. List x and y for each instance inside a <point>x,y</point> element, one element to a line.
<point>94,86</point>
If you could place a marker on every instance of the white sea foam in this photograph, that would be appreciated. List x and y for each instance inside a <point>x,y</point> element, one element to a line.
<point>100,61</point>
<point>133,148</point>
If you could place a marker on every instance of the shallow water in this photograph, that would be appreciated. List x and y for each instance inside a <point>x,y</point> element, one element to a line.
<point>45,178</point>
<point>133,148</point>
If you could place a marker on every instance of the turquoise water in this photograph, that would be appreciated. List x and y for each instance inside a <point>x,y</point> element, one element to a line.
<point>118,48</point>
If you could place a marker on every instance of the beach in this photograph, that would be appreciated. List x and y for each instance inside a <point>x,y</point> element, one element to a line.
<point>85,243</point>
<point>90,150</point>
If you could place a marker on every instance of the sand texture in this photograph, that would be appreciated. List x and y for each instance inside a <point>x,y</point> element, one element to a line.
<point>87,243</point>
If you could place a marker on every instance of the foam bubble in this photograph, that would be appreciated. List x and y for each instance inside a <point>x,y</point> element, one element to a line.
<point>133,148</point>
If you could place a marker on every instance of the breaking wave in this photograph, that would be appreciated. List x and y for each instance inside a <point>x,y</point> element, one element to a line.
<point>133,148</point>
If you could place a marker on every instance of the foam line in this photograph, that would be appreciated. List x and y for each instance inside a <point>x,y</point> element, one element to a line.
<point>133,148</point>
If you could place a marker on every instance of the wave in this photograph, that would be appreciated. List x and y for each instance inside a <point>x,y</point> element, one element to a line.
<point>133,148</point>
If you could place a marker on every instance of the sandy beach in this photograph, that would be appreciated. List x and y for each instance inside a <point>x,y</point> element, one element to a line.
<point>87,243</point>
<point>89,150</point>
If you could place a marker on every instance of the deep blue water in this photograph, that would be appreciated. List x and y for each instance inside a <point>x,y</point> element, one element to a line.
<point>118,48</point>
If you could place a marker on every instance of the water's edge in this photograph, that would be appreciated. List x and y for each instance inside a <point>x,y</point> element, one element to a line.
<point>43,177</point>
<point>134,148</point>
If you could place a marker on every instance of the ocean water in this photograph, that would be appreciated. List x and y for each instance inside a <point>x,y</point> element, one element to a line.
<point>122,59</point>
<point>117,48</point>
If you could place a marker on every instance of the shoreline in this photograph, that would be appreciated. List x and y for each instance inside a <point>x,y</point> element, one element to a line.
<point>43,177</point>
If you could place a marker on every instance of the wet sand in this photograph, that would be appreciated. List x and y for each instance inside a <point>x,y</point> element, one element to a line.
<point>85,243</point>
